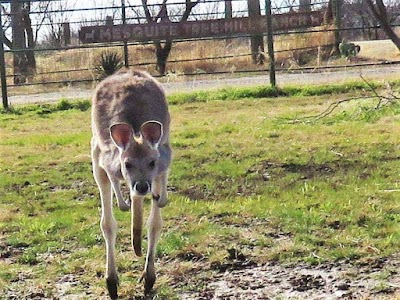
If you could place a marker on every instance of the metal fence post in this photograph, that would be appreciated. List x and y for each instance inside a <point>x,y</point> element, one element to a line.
<point>270,41</point>
<point>3,66</point>
<point>126,56</point>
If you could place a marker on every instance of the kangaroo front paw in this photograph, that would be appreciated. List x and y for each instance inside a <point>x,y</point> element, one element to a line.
<point>160,201</point>
<point>112,286</point>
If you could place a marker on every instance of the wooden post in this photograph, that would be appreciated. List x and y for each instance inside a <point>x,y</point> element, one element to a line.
<point>3,66</point>
<point>270,41</point>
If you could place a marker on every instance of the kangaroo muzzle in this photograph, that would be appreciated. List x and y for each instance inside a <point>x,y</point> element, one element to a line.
<point>142,187</point>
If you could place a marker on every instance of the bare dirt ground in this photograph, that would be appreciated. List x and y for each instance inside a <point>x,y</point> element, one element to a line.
<point>241,279</point>
<point>375,279</point>
<point>173,85</point>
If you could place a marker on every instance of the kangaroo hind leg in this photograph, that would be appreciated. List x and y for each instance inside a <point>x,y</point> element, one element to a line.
<point>107,223</point>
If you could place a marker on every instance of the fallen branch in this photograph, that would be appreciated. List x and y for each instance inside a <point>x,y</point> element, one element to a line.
<point>373,91</point>
<point>383,100</point>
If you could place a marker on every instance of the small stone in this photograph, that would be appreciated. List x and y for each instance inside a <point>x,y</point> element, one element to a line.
<point>343,287</point>
<point>266,176</point>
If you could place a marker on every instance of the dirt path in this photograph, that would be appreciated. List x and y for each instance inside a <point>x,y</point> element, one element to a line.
<point>324,77</point>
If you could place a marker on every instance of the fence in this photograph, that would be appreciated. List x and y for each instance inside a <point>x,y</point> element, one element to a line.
<point>47,45</point>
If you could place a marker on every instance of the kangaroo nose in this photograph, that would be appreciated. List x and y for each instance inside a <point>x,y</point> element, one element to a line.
<point>142,187</point>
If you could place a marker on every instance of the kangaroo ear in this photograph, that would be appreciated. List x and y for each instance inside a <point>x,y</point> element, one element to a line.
<point>152,132</point>
<point>121,134</point>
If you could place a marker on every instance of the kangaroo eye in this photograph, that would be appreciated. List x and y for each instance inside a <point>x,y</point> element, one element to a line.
<point>128,165</point>
<point>152,164</point>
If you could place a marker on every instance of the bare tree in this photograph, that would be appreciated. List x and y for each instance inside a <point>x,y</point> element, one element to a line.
<point>58,23</point>
<point>163,49</point>
<point>40,18</point>
<point>23,36</point>
<point>379,11</point>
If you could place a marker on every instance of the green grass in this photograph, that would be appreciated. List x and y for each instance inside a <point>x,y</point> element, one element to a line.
<point>242,178</point>
<point>268,91</point>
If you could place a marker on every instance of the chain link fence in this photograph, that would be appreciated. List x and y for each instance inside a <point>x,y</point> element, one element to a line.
<point>46,47</point>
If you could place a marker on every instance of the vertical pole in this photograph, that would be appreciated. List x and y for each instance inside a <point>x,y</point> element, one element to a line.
<point>270,41</point>
<point>3,66</point>
<point>336,15</point>
<point>126,57</point>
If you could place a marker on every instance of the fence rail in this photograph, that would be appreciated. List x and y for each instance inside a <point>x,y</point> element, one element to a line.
<point>51,54</point>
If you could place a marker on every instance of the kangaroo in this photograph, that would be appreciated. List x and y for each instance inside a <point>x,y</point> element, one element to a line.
<point>130,125</point>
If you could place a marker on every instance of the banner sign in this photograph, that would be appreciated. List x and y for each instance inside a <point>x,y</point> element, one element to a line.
<point>198,29</point>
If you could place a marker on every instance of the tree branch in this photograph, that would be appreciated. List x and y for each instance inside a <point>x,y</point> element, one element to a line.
<point>373,9</point>
<point>147,12</point>
<point>373,91</point>
<point>382,101</point>
<point>189,6</point>
<point>380,14</point>
<point>8,43</point>
<point>163,13</point>
<point>381,9</point>
<point>45,9</point>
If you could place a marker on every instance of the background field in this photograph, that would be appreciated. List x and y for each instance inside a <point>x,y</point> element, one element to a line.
<point>248,189</point>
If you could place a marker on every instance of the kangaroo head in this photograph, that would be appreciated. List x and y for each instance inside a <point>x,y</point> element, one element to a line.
<point>139,153</point>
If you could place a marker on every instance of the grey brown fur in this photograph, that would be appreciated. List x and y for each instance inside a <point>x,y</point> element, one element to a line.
<point>130,125</point>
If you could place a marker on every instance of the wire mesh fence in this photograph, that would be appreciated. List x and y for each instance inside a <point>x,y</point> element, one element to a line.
<point>43,49</point>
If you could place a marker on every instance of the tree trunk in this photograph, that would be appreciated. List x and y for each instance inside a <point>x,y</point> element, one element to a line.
<point>379,12</point>
<point>228,15</point>
<point>20,62</point>
<point>162,51</point>
<point>391,34</point>
<point>66,32</point>
<point>256,41</point>
<point>30,54</point>
<point>162,54</point>
<point>305,7</point>
<point>24,62</point>
<point>228,9</point>
<point>328,15</point>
